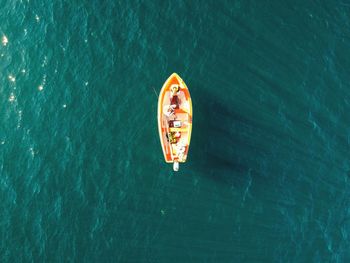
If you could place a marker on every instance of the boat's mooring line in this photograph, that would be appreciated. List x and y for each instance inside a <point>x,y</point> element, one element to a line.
<point>155,91</point>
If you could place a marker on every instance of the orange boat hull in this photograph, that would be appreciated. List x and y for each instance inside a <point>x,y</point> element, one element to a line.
<point>175,119</point>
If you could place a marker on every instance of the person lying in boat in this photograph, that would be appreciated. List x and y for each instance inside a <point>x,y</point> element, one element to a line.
<point>175,101</point>
<point>174,89</point>
<point>173,137</point>
<point>170,137</point>
<point>170,111</point>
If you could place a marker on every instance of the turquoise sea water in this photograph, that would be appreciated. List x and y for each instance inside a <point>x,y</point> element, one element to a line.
<point>82,176</point>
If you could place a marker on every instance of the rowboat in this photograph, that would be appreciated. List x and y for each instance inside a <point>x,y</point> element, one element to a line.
<point>175,120</point>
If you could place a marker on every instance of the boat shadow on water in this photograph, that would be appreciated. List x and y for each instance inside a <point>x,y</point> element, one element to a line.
<point>215,145</point>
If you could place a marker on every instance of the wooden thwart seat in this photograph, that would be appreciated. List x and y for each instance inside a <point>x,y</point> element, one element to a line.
<point>179,129</point>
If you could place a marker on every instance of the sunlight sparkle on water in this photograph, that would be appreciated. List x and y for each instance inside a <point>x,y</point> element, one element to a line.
<point>12,78</point>
<point>4,40</point>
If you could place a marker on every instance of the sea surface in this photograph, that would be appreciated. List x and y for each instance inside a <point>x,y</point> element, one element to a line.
<point>82,175</point>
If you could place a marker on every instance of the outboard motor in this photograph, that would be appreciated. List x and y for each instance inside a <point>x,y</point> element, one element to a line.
<point>176,166</point>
